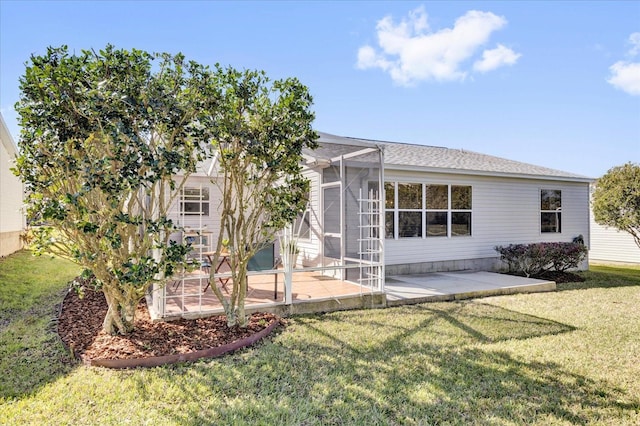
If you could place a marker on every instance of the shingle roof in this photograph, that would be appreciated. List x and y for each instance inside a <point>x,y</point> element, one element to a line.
<point>434,158</point>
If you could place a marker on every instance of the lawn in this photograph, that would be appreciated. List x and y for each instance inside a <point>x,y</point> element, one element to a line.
<point>569,357</point>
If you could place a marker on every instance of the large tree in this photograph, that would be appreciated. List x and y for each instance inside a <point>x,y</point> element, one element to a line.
<point>258,133</point>
<point>616,199</point>
<point>103,135</point>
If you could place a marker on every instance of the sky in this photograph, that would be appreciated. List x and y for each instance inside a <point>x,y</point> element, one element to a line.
<point>555,84</point>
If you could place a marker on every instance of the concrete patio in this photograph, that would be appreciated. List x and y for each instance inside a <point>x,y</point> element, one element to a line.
<point>313,292</point>
<point>443,286</point>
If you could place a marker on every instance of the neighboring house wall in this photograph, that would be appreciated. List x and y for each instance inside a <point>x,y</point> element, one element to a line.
<point>611,245</point>
<point>504,211</point>
<point>11,196</point>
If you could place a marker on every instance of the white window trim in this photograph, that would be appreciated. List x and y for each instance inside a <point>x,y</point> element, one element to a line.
<point>558,210</point>
<point>449,210</point>
<point>399,210</point>
<point>201,201</point>
<point>452,211</point>
<point>306,213</point>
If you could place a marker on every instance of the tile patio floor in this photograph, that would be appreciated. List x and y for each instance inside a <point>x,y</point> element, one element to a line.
<point>189,296</point>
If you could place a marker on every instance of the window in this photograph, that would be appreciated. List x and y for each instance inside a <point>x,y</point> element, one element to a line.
<point>389,204</point>
<point>460,210</point>
<point>550,210</point>
<point>302,225</point>
<point>195,201</point>
<point>409,210</point>
<point>443,210</point>
<point>437,210</point>
<point>331,174</point>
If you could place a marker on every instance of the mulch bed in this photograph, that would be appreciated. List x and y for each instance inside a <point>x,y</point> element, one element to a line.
<point>80,327</point>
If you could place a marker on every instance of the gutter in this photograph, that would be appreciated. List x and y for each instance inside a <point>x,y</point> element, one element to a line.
<point>577,179</point>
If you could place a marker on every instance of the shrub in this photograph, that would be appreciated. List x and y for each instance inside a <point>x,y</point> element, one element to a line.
<point>528,259</point>
<point>536,258</point>
<point>567,255</point>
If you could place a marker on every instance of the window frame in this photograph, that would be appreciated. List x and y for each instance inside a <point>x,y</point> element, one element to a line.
<point>202,201</point>
<point>420,210</point>
<point>557,212</point>
<point>453,210</point>
<point>305,214</point>
<point>436,210</point>
<point>393,210</point>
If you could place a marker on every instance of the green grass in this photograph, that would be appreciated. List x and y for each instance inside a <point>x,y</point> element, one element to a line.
<point>570,357</point>
<point>26,279</point>
<point>30,351</point>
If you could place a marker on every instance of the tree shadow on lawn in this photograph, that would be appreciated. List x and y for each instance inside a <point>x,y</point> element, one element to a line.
<point>398,375</point>
<point>482,322</point>
<point>31,352</point>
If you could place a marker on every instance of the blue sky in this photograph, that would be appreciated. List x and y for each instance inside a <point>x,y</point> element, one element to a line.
<point>550,83</point>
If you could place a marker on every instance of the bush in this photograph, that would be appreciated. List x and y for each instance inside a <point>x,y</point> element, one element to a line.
<point>536,258</point>
<point>566,255</point>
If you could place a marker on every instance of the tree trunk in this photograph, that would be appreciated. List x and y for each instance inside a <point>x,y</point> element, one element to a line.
<point>121,313</point>
<point>234,310</point>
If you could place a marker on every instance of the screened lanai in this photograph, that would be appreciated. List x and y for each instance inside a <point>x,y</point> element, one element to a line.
<point>335,249</point>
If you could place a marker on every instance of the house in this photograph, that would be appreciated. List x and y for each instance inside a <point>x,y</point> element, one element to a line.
<point>446,209</point>
<point>610,245</point>
<point>378,209</point>
<point>11,196</point>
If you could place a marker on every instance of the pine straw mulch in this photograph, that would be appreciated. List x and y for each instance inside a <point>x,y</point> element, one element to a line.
<point>80,327</point>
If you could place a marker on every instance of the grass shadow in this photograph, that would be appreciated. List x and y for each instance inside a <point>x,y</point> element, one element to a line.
<point>484,322</point>
<point>489,324</point>
<point>434,366</point>
<point>31,294</point>
<point>31,352</point>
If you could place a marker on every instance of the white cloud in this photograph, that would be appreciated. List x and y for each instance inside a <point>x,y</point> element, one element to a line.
<point>634,40</point>
<point>410,52</point>
<point>368,58</point>
<point>625,75</point>
<point>495,58</point>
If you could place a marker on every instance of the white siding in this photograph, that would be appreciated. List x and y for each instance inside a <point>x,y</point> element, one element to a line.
<point>11,193</point>
<point>210,223</point>
<point>611,245</point>
<point>310,249</point>
<point>505,211</point>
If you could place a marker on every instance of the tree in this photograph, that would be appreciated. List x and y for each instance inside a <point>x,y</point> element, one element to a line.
<point>103,135</point>
<point>616,199</point>
<point>258,133</point>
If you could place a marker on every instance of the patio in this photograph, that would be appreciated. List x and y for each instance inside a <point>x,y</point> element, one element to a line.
<point>190,296</point>
<point>314,291</point>
<point>446,286</point>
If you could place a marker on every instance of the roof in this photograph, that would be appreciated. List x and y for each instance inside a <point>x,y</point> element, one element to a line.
<point>404,156</point>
